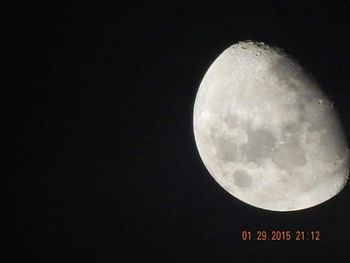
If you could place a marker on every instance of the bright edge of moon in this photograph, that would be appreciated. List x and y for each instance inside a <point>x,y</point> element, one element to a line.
<point>267,132</point>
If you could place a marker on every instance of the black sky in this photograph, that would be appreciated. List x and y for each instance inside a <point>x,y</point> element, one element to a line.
<point>101,108</point>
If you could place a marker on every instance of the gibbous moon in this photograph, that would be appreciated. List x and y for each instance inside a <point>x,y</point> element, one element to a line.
<point>266,131</point>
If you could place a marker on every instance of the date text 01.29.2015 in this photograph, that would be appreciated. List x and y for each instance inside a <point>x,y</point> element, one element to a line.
<point>262,235</point>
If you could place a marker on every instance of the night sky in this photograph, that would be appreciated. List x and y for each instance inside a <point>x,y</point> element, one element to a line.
<point>106,166</point>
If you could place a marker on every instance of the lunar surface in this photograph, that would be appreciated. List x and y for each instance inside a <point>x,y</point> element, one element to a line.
<point>266,131</point>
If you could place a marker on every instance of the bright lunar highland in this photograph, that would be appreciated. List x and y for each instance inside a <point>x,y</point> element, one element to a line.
<point>267,132</point>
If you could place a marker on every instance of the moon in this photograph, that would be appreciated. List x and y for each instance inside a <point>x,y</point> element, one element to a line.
<point>267,132</point>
